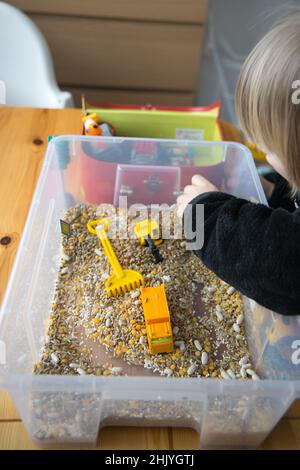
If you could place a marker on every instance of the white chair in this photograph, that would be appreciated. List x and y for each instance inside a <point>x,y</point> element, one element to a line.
<point>26,65</point>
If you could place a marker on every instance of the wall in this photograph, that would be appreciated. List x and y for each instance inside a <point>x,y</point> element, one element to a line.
<point>125,51</point>
<point>233,28</point>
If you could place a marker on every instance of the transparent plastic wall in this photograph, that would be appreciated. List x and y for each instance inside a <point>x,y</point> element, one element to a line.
<point>71,410</point>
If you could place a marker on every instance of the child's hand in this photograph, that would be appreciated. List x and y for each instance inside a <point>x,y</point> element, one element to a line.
<point>199,185</point>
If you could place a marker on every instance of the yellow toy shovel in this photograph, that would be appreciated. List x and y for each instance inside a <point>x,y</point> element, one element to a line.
<point>122,280</point>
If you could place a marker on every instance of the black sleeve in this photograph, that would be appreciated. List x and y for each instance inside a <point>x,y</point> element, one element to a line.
<point>281,195</point>
<point>252,247</point>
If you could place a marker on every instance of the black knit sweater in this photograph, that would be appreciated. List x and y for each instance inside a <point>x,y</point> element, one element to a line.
<point>253,247</point>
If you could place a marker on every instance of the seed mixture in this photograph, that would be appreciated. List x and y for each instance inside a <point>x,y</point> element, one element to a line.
<point>90,333</point>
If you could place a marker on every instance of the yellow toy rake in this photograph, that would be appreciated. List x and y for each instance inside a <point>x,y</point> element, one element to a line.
<point>122,280</point>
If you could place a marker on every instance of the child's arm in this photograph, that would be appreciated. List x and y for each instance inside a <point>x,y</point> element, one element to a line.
<point>281,194</point>
<point>252,247</point>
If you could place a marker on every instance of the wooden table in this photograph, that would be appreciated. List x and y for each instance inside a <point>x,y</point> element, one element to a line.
<point>23,141</point>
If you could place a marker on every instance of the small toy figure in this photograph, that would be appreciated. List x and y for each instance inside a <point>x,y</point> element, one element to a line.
<point>122,280</point>
<point>157,319</point>
<point>147,232</point>
<point>93,126</point>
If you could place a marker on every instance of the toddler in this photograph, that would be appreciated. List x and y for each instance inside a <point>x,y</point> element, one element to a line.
<point>253,247</point>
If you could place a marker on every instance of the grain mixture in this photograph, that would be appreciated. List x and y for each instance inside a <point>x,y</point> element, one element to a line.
<point>90,333</point>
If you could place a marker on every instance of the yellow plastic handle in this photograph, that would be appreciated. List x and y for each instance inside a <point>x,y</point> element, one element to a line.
<point>92,226</point>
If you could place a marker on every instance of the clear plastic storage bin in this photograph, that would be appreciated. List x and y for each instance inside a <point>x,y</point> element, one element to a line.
<point>71,409</point>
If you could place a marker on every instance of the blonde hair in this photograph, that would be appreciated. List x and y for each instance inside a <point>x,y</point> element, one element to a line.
<point>264,105</point>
